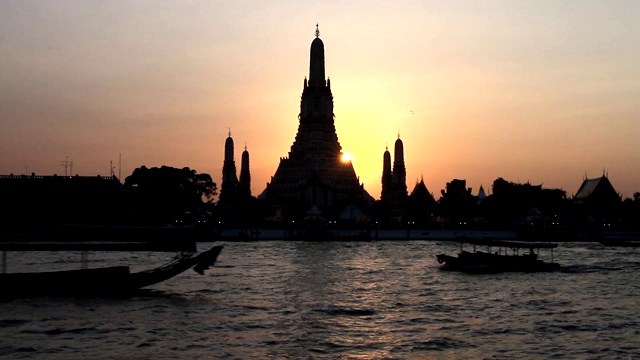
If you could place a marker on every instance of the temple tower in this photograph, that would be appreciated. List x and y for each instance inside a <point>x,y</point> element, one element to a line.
<point>395,194</point>
<point>387,177</point>
<point>316,141</point>
<point>229,186</point>
<point>314,174</point>
<point>244,185</point>
<point>399,170</point>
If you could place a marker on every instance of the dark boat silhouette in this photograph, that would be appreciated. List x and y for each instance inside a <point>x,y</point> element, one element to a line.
<point>106,281</point>
<point>498,261</point>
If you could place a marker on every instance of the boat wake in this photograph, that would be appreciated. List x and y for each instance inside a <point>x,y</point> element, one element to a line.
<point>582,269</point>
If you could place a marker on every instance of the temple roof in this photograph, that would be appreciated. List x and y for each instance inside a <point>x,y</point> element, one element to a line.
<point>587,187</point>
<point>600,186</point>
<point>421,193</point>
<point>481,194</point>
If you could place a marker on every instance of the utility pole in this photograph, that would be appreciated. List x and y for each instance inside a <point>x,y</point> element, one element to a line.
<point>68,165</point>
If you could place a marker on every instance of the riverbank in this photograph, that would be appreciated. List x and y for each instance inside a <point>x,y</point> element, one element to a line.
<point>416,234</point>
<point>188,233</point>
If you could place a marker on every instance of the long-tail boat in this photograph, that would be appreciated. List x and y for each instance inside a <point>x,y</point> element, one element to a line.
<point>500,256</point>
<point>108,281</point>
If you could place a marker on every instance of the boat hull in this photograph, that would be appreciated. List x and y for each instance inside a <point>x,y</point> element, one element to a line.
<point>108,281</point>
<point>493,263</point>
<point>69,282</point>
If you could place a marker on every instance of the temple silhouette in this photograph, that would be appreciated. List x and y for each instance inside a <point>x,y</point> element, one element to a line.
<point>394,182</point>
<point>314,174</point>
<point>312,186</point>
<point>232,189</point>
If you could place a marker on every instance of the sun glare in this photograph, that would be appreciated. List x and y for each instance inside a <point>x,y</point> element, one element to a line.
<point>346,157</point>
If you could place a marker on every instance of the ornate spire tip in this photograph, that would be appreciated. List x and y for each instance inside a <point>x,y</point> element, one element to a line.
<point>317,31</point>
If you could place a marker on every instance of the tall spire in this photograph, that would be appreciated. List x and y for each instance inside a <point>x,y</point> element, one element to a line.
<point>245,174</point>
<point>316,139</point>
<point>229,184</point>
<point>228,149</point>
<point>399,170</point>
<point>387,176</point>
<point>316,64</point>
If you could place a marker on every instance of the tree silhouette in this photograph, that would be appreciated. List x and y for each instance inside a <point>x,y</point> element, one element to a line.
<point>166,194</point>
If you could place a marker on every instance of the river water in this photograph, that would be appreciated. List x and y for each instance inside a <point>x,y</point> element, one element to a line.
<point>340,300</point>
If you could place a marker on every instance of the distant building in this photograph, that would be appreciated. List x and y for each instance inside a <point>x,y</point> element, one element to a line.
<point>421,193</point>
<point>422,204</point>
<point>244,185</point>
<point>399,187</point>
<point>387,177</point>
<point>36,202</point>
<point>229,186</point>
<point>481,194</point>
<point>597,199</point>
<point>314,173</point>
<point>232,190</point>
<point>597,191</point>
<point>394,194</point>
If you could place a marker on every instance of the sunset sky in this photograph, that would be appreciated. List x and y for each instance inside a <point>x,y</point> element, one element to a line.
<point>535,91</point>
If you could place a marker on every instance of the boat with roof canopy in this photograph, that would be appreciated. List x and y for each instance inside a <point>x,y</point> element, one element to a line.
<point>500,256</point>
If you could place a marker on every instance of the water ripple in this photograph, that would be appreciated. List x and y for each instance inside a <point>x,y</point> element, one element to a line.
<point>368,300</point>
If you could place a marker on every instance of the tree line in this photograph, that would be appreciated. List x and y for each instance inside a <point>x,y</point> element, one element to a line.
<point>161,196</point>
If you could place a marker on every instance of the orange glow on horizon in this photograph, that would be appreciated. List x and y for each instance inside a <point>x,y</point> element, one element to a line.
<point>473,102</point>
